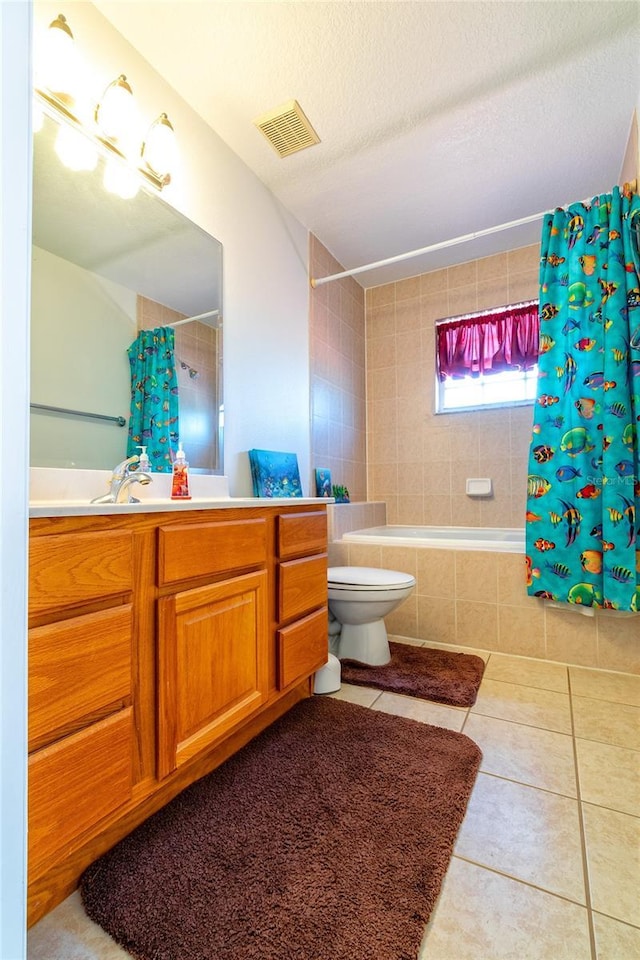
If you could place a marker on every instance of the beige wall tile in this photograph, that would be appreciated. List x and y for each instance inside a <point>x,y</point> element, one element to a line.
<point>618,642</point>
<point>521,630</point>
<point>435,573</point>
<point>477,624</point>
<point>476,575</point>
<point>571,637</point>
<point>403,622</point>
<point>436,619</point>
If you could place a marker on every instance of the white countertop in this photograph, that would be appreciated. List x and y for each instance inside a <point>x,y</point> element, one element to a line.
<point>59,492</point>
<point>83,508</point>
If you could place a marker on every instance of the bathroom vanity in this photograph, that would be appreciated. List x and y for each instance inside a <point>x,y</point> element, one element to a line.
<point>160,642</point>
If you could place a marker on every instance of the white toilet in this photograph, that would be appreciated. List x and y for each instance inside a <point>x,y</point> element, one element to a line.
<point>360,598</point>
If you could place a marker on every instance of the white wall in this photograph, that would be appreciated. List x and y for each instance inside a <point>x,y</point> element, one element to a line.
<point>81,326</point>
<point>15,240</point>
<point>265,294</point>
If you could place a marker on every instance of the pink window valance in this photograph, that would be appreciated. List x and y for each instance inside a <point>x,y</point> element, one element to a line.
<point>491,342</point>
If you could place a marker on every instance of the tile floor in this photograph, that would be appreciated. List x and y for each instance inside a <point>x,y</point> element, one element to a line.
<point>547,861</point>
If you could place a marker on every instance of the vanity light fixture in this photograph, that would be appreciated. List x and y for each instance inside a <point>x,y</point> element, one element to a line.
<point>110,129</point>
<point>115,113</point>
<point>159,148</point>
<point>57,64</point>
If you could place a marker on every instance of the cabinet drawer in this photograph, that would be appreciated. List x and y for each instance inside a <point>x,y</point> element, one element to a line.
<point>302,586</point>
<point>77,669</point>
<point>190,550</point>
<point>76,782</point>
<point>69,569</point>
<point>301,534</point>
<point>303,648</point>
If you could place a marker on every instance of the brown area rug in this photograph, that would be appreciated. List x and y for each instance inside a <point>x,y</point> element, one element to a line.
<point>425,672</point>
<point>325,838</point>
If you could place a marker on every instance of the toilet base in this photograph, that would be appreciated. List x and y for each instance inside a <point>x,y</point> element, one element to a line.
<point>327,678</point>
<point>365,642</point>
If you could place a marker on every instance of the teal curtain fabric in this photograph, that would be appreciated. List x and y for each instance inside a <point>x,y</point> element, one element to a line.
<point>154,397</point>
<point>583,490</point>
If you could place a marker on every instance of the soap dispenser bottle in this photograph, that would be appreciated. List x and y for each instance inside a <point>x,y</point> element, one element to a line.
<point>180,479</point>
<point>144,464</point>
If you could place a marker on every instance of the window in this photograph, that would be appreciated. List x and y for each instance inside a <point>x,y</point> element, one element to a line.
<point>488,359</point>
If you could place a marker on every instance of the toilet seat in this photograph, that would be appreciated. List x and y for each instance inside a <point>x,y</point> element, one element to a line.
<point>371,579</point>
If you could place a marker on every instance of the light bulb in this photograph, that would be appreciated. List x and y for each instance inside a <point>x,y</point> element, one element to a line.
<point>116,112</point>
<point>159,150</point>
<point>56,63</point>
<point>75,150</point>
<point>120,180</point>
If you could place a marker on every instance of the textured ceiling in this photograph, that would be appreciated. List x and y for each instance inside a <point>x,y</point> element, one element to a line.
<point>436,119</point>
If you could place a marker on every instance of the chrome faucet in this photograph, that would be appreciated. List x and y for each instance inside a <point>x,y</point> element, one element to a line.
<point>122,479</point>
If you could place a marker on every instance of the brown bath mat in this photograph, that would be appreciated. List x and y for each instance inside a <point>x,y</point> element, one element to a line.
<point>326,838</point>
<point>424,672</point>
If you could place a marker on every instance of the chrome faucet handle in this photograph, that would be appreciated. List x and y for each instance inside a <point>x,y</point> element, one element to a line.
<point>123,468</point>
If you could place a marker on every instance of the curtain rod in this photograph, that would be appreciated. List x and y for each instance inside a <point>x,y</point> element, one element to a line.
<point>318,281</point>
<point>200,316</point>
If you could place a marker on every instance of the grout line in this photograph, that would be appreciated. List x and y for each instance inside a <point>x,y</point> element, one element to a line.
<point>529,786</point>
<point>583,836</point>
<point>525,883</point>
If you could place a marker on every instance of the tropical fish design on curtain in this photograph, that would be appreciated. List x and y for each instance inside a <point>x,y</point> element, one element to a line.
<point>583,484</point>
<point>154,397</point>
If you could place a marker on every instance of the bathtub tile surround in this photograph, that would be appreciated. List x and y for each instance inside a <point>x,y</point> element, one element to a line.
<point>504,895</point>
<point>419,462</point>
<point>337,373</point>
<point>478,599</point>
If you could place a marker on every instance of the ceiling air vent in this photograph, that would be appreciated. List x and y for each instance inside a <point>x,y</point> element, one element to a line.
<point>287,129</point>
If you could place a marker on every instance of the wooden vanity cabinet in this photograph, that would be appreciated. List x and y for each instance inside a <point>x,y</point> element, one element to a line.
<point>80,688</point>
<point>159,644</point>
<point>213,640</point>
<point>302,636</point>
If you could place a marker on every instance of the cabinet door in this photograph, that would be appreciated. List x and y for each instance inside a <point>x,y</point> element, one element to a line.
<point>213,664</point>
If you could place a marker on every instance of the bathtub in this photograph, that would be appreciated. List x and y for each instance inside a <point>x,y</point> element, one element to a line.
<point>493,539</point>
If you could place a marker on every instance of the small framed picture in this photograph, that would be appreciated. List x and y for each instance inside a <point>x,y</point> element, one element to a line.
<point>323,482</point>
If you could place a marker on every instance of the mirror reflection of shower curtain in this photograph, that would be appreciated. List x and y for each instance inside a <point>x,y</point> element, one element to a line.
<point>154,397</point>
<point>584,469</point>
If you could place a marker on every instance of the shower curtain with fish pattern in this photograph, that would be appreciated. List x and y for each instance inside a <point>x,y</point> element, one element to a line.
<point>583,489</point>
<point>154,397</point>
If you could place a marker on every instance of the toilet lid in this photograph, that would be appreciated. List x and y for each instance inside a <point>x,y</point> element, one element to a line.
<point>370,577</point>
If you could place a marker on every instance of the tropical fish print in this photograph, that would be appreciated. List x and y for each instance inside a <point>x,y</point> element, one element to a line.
<point>588,492</point>
<point>154,401</point>
<point>583,483</point>
<point>585,343</point>
<point>542,544</point>
<point>543,453</point>
<point>586,407</point>
<point>576,441</point>
<point>591,561</point>
<point>566,473</point>
<point>538,486</point>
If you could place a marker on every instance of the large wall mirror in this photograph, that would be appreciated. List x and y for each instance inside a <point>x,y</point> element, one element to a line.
<point>104,268</point>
